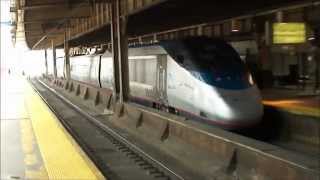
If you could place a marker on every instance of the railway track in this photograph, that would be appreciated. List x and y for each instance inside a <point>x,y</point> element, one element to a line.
<point>214,148</point>
<point>140,164</point>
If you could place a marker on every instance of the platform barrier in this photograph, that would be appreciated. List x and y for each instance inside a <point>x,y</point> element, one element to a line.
<point>99,98</point>
<point>296,128</point>
<point>213,151</point>
<point>235,152</point>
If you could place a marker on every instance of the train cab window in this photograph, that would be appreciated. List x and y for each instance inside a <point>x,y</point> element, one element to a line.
<point>215,55</point>
<point>180,59</point>
<point>217,63</point>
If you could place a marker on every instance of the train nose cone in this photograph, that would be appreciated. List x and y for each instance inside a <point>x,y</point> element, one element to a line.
<point>243,111</point>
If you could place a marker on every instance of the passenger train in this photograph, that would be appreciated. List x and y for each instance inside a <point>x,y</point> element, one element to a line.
<point>200,78</point>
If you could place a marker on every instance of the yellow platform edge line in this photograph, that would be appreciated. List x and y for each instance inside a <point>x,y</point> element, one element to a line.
<point>296,109</point>
<point>62,156</point>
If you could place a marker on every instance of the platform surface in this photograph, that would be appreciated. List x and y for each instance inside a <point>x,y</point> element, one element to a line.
<point>34,145</point>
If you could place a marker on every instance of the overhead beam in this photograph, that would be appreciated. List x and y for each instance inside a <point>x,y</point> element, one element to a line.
<point>54,5</point>
<point>41,21</point>
<point>41,36</point>
<point>40,40</point>
<point>34,30</point>
<point>44,6</point>
<point>37,16</point>
<point>35,34</point>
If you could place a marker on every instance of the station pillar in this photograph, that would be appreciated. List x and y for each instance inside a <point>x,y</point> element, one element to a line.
<point>66,57</point>
<point>54,60</point>
<point>120,52</point>
<point>114,49</point>
<point>46,61</point>
<point>316,43</point>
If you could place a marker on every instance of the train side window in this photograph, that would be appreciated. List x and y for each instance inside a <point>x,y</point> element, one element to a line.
<point>142,69</point>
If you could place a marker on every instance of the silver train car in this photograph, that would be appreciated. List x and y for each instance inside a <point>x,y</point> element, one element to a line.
<point>200,78</point>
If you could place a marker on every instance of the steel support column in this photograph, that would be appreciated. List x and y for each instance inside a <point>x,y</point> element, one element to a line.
<point>66,56</point>
<point>114,45</point>
<point>317,70</point>
<point>54,60</point>
<point>122,52</point>
<point>46,61</point>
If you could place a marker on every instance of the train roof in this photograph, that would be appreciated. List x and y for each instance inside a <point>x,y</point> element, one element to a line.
<point>169,46</point>
<point>197,39</point>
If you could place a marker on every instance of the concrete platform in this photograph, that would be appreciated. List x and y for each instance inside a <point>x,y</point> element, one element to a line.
<point>293,114</point>
<point>34,145</point>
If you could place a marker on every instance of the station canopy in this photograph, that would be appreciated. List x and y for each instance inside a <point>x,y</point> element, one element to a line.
<point>44,22</point>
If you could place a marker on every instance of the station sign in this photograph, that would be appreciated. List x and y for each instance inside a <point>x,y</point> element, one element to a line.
<point>289,33</point>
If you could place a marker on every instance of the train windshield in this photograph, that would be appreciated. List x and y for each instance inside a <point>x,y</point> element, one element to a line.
<point>217,63</point>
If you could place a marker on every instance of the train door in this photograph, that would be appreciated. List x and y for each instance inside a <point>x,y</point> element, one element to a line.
<point>162,79</point>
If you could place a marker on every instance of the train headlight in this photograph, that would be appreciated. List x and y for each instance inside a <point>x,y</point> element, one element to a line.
<point>251,82</point>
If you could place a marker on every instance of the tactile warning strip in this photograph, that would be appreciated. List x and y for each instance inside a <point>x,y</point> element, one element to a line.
<point>62,156</point>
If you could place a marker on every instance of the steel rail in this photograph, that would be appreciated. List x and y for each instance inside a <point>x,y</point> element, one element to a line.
<point>111,132</point>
